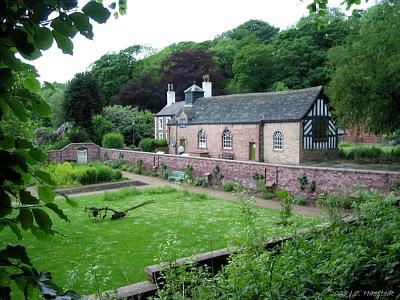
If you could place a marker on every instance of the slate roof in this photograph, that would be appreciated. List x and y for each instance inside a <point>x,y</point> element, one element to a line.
<point>254,108</point>
<point>171,110</point>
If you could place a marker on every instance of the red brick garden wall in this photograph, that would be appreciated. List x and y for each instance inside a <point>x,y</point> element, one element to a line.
<point>69,152</point>
<point>331,180</point>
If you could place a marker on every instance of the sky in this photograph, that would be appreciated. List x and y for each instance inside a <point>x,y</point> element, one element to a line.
<point>159,23</point>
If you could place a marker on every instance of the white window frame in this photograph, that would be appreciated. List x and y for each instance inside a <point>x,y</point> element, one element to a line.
<point>160,135</point>
<point>160,123</point>
<point>202,139</point>
<point>277,140</point>
<point>227,139</point>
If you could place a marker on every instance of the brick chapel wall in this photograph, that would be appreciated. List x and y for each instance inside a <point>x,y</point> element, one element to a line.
<point>291,143</point>
<point>69,152</point>
<point>242,135</point>
<point>332,180</point>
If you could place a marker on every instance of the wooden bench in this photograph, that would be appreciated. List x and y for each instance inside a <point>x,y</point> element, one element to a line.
<point>176,175</point>
<point>226,155</point>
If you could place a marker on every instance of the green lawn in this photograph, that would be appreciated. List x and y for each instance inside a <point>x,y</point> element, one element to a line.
<point>117,251</point>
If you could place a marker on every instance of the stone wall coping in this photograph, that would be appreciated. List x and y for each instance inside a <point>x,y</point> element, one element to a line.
<point>347,170</point>
<point>73,144</point>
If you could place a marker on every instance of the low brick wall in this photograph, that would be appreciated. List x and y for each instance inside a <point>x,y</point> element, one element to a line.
<point>69,152</point>
<point>331,180</point>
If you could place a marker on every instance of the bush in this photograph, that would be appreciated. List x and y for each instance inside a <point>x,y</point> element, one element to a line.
<point>78,135</point>
<point>104,174</point>
<point>89,177</point>
<point>268,195</point>
<point>300,200</point>
<point>117,175</point>
<point>229,186</point>
<point>116,164</point>
<point>113,140</point>
<point>150,145</point>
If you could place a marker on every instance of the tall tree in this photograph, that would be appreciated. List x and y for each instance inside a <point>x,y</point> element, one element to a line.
<point>145,94</point>
<point>365,85</point>
<point>253,69</point>
<point>260,29</point>
<point>112,70</point>
<point>82,100</point>
<point>185,67</point>
<point>54,97</point>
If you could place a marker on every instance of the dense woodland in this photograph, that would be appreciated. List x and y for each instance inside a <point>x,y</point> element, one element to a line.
<point>355,57</point>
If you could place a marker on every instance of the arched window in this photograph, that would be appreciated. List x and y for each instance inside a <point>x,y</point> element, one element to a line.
<point>202,140</point>
<point>227,139</point>
<point>278,140</point>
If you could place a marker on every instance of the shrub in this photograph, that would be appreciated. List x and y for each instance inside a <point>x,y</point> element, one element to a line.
<point>89,177</point>
<point>286,204</point>
<point>113,140</point>
<point>229,186</point>
<point>139,168</point>
<point>300,200</point>
<point>116,164</point>
<point>104,174</point>
<point>117,175</point>
<point>199,182</point>
<point>147,145</point>
<point>268,195</point>
<point>164,172</point>
<point>78,135</point>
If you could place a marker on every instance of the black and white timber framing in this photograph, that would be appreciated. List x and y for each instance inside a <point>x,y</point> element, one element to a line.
<point>319,115</point>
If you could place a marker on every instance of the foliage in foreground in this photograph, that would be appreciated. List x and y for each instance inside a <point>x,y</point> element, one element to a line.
<point>359,258</point>
<point>27,29</point>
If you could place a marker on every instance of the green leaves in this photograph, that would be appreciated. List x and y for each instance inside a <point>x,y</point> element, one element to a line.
<point>64,43</point>
<point>43,220</point>
<point>96,11</point>
<point>58,211</point>
<point>63,27</point>
<point>37,154</point>
<point>26,218</point>
<point>82,23</point>
<point>31,84</point>
<point>44,177</point>
<point>46,194</point>
<point>43,38</point>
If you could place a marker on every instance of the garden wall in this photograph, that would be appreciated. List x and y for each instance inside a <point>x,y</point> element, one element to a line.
<point>332,180</point>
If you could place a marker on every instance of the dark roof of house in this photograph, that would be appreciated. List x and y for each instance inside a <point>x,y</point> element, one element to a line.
<point>253,108</point>
<point>171,110</point>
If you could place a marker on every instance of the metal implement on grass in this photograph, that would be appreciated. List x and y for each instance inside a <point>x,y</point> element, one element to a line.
<point>97,214</point>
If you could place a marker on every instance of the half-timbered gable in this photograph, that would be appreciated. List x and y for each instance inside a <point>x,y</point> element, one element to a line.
<point>319,129</point>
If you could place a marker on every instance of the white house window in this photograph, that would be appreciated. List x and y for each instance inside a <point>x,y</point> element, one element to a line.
<point>202,139</point>
<point>278,141</point>
<point>160,136</point>
<point>227,139</point>
<point>160,123</point>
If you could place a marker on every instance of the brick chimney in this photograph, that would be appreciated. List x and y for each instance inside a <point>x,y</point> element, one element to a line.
<point>170,94</point>
<point>207,86</point>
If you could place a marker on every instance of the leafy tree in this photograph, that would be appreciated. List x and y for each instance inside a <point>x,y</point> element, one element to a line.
<point>253,69</point>
<point>26,29</point>
<point>144,127</point>
<point>82,100</point>
<point>114,69</point>
<point>187,66</point>
<point>365,85</point>
<point>54,97</point>
<point>145,94</point>
<point>101,126</point>
<point>260,29</point>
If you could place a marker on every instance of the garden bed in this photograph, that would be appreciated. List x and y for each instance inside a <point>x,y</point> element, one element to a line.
<point>99,187</point>
<point>111,253</point>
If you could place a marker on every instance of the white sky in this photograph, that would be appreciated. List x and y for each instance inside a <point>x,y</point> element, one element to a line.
<point>159,23</point>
